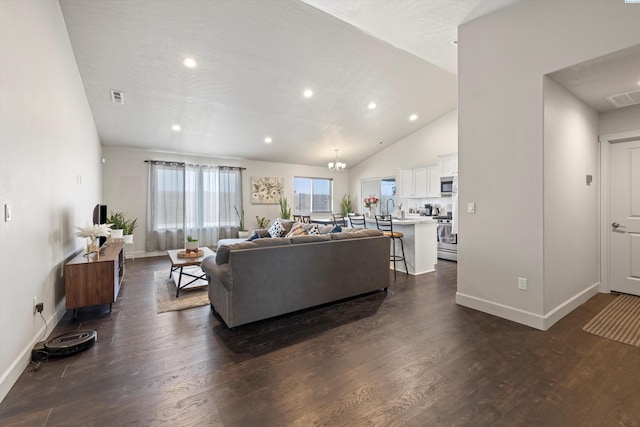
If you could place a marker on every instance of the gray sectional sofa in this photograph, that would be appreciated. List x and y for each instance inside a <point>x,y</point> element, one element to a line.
<point>268,277</point>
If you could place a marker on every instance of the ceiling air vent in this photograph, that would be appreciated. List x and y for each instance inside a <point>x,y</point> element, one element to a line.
<point>624,99</point>
<point>117,97</point>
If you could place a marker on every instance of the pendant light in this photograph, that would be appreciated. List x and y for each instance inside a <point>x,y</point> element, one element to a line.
<point>336,165</point>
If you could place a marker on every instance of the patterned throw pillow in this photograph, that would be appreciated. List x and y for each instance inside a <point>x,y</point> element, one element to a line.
<point>296,230</point>
<point>314,230</point>
<point>276,229</point>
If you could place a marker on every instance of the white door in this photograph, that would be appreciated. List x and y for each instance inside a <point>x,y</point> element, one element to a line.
<point>624,212</point>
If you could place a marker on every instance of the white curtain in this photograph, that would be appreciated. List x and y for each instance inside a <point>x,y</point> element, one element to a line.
<point>191,200</point>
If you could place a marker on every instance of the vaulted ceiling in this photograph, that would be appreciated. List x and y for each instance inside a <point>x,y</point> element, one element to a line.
<point>255,58</point>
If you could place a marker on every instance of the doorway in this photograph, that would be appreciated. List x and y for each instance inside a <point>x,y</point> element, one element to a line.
<point>620,212</point>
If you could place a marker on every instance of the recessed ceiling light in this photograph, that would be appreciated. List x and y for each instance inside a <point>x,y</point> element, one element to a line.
<point>190,63</point>
<point>372,105</point>
<point>308,93</point>
<point>176,127</point>
<point>454,42</point>
<point>413,117</point>
<point>268,140</point>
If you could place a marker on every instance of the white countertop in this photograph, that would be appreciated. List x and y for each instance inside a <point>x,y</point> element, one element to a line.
<point>409,220</point>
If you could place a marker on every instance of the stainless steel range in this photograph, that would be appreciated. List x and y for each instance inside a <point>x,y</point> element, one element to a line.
<point>447,241</point>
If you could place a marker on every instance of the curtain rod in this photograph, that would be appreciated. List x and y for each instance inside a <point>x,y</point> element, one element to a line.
<point>194,164</point>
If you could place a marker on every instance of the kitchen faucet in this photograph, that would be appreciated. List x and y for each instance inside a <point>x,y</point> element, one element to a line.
<point>394,205</point>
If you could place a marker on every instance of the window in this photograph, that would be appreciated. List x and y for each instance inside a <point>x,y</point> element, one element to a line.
<point>191,200</point>
<point>312,195</point>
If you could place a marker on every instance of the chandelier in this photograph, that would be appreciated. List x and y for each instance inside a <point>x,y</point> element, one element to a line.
<point>336,165</point>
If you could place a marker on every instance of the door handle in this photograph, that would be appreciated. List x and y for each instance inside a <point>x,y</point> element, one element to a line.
<point>616,225</point>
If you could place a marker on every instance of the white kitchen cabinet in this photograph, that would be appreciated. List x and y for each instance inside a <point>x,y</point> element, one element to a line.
<point>414,183</point>
<point>449,164</point>
<point>433,181</point>
<point>420,182</point>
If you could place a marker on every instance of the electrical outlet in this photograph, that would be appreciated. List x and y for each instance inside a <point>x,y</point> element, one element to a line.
<point>522,283</point>
<point>35,303</point>
<point>40,307</point>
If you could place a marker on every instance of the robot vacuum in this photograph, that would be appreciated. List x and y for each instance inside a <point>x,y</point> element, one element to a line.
<point>70,343</point>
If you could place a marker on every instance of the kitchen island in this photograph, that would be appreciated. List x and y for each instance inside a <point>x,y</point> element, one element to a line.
<point>420,242</point>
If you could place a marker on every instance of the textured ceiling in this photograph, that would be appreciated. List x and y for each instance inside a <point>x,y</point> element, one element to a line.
<point>255,58</point>
<point>425,28</point>
<point>594,80</point>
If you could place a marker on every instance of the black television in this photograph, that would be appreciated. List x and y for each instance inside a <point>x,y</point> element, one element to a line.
<point>100,217</point>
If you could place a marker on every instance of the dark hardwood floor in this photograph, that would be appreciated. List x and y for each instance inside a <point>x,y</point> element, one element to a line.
<point>410,357</point>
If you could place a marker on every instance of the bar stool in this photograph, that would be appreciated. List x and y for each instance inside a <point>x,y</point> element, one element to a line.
<point>357,220</point>
<point>339,219</point>
<point>385,224</point>
<point>306,219</point>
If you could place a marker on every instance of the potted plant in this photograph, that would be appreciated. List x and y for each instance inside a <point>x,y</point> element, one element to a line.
<point>242,232</point>
<point>285,209</point>
<point>130,226</point>
<point>117,222</point>
<point>262,222</point>
<point>191,245</point>
<point>345,205</point>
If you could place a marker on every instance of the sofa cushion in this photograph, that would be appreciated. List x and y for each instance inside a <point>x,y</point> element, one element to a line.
<point>222,254</point>
<point>262,233</point>
<point>276,229</point>
<point>275,241</point>
<point>310,239</point>
<point>361,232</point>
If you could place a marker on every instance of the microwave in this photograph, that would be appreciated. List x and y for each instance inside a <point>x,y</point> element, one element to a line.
<point>446,186</point>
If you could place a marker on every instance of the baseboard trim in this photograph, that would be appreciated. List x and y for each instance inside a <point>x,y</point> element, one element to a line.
<point>524,317</point>
<point>19,364</point>
<point>569,305</point>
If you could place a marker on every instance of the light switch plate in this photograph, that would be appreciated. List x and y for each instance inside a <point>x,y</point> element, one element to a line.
<point>471,207</point>
<point>7,213</point>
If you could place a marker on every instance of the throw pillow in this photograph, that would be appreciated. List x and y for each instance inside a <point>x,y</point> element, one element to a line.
<point>253,237</point>
<point>336,229</point>
<point>276,229</point>
<point>314,230</point>
<point>296,230</point>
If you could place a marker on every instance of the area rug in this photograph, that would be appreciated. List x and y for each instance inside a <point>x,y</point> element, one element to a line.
<point>194,295</point>
<point>619,321</point>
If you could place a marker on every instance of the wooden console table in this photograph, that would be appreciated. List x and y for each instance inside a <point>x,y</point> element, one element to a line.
<point>93,280</point>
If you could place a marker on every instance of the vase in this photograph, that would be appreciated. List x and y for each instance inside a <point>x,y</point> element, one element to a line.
<point>92,245</point>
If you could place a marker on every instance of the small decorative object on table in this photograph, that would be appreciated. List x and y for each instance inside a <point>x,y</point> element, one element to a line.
<point>191,245</point>
<point>92,232</point>
<point>371,203</point>
<point>185,254</point>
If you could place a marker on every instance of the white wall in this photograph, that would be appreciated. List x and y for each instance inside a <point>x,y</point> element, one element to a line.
<point>620,120</point>
<point>502,60</point>
<point>124,184</point>
<point>49,173</point>
<point>570,205</point>
<point>421,148</point>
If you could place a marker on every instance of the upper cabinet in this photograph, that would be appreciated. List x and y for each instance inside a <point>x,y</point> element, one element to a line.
<point>414,182</point>
<point>449,164</point>
<point>433,181</point>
